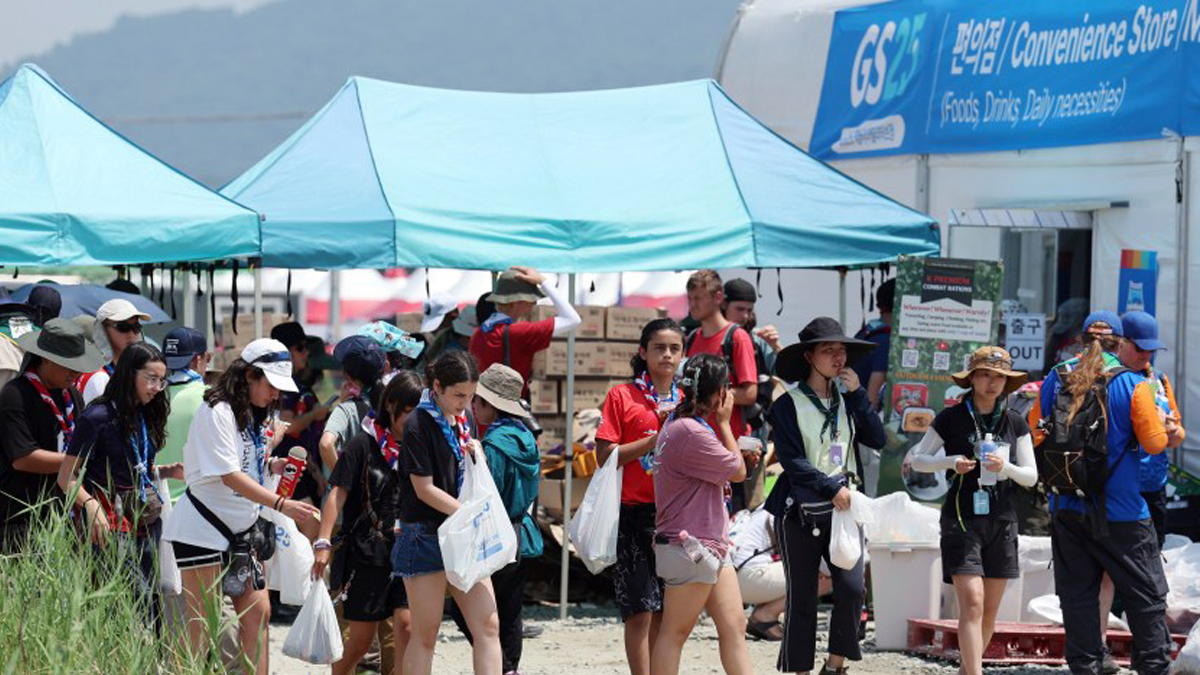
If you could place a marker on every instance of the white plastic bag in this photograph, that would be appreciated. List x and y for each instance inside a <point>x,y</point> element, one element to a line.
<point>1188,660</point>
<point>844,546</point>
<point>170,582</point>
<point>1047,607</point>
<point>898,519</point>
<point>289,571</point>
<point>478,539</point>
<point>315,637</point>
<point>593,528</point>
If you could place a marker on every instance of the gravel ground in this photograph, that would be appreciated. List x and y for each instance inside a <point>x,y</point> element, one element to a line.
<point>589,643</point>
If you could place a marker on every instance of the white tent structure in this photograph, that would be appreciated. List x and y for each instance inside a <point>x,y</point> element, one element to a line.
<point>1058,216</point>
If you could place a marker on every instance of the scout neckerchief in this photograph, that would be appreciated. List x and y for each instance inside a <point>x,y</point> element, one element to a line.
<point>496,319</point>
<point>646,386</point>
<point>143,465</point>
<point>183,376</point>
<point>67,422</point>
<point>830,413</point>
<point>458,437</point>
<point>389,447</point>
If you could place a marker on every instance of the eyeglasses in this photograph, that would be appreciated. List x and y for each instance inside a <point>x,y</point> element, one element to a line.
<point>154,381</point>
<point>126,327</point>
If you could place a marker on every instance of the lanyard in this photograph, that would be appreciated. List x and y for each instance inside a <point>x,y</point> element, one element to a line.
<point>830,413</point>
<point>67,422</point>
<point>980,427</point>
<point>143,465</point>
<point>496,319</point>
<point>260,455</point>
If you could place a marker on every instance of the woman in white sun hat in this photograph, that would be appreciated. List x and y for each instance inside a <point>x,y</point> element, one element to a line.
<point>118,324</point>
<point>218,536</point>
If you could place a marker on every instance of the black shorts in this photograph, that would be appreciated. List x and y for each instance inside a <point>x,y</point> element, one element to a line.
<point>188,556</point>
<point>988,549</point>
<point>372,593</point>
<point>636,584</point>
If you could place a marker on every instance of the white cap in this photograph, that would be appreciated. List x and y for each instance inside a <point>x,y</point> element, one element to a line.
<point>120,309</point>
<point>435,310</point>
<point>274,359</point>
<point>466,323</point>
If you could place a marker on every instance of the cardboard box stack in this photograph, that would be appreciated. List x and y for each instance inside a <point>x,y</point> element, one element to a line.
<point>245,329</point>
<point>604,345</point>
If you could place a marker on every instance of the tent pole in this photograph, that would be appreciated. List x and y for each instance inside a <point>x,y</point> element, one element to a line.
<point>842,297</point>
<point>335,305</point>
<point>189,300</point>
<point>258,324</point>
<point>210,321</point>
<point>569,456</point>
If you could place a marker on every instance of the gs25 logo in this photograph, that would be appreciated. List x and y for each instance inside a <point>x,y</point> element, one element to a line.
<point>876,74</point>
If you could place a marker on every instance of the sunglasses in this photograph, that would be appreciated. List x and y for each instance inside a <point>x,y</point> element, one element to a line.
<point>126,327</point>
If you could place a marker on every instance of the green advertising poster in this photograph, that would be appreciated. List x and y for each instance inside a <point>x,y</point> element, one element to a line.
<point>945,310</point>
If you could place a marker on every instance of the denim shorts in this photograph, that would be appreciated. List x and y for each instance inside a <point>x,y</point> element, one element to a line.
<point>416,551</point>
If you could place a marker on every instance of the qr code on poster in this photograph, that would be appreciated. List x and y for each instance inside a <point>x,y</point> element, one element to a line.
<point>941,361</point>
<point>910,358</point>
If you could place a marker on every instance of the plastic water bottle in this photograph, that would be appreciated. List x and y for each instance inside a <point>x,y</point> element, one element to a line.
<point>986,448</point>
<point>691,546</point>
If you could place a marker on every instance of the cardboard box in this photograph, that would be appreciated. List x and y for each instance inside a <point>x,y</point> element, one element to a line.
<point>410,322</point>
<point>588,393</point>
<point>592,327</point>
<point>543,397</point>
<point>245,329</point>
<point>620,354</point>
<point>626,323</point>
<point>554,431</point>
<point>591,360</point>
<point>551,493</point>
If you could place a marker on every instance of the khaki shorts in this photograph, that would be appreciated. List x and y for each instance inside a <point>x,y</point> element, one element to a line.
<point>676,568</point>
<point>762,583</point>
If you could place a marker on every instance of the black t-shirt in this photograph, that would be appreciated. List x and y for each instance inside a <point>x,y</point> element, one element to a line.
<point>27,424</point>
<point>364,475</point>
<point>111,457</point>
<point>425,452</point>
<point>959,435</point>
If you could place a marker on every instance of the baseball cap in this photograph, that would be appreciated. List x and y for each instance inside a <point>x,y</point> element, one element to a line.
<point>435,309</point>
<point>274,359</point>
<point>1109,318</point>
<point>740,290</point>
<point>362,358</point>
<point>46,302</point>
<point>467,321</point>
<point>120,309</point>
<point>291,334</point>
<point>181,345</point>
<point>1141,329</point>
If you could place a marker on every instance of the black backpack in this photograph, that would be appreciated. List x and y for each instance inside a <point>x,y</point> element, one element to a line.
<point>1073,456</point>
<point>755,413</point>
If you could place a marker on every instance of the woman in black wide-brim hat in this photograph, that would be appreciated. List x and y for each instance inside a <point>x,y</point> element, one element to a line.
<point>818,426</point>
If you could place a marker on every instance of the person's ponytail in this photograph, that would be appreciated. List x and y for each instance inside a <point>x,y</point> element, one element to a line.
<point>703,376</point>
<point>1085,375</point>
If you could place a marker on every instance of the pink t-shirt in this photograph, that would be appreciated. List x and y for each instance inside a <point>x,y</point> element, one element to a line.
<point>692,470</point>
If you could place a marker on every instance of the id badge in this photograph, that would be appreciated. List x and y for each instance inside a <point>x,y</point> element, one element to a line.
<point>982,504</point>
<point>837,453</point>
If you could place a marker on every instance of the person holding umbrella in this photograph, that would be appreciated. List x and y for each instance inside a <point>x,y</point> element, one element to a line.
<point>818,428</point>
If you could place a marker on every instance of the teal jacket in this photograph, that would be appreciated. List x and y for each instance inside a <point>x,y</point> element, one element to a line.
<point>513,458</point>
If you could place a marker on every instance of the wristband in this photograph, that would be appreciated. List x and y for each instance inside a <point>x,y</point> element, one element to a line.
<point>279,502</point>
<point>322,545</point>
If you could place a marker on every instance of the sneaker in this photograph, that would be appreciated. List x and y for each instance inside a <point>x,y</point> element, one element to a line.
<point>530,631</point>
<point>1109,665</point>
<point>826,670</point>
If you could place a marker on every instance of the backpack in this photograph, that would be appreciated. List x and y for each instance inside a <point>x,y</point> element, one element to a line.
<point>1073,458</point>
<point>755,413</point>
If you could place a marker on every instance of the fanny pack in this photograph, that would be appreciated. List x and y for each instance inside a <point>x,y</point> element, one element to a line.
<point>246,553</point>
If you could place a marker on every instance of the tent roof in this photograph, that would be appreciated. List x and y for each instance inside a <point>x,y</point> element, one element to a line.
<point>75,192</point>
<point>663,177</point>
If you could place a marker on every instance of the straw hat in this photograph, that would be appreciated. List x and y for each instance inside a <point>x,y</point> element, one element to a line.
<point>995,359</point>
<point>501,386</point>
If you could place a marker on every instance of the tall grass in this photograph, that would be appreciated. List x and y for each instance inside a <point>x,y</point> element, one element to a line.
<point>69,607</point>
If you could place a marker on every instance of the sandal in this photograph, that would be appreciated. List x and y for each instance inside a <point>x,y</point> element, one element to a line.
<point>826,670</point>
<point>771,631</point>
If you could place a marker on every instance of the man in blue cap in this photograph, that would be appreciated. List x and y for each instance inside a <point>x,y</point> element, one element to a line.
<point>186,352</point>
<point>1137,354</point>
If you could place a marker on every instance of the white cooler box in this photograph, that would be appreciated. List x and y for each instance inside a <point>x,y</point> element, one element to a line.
<point>906,582</point>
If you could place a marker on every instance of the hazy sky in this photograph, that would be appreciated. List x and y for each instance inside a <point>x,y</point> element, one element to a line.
<point>32,27</point>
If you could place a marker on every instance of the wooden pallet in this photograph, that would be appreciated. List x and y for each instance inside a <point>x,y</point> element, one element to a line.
<point>1012,643</point>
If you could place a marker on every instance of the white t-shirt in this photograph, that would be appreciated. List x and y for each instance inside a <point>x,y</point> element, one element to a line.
<point>95,386</point>
<point>753,535</point>
<point>215,447</point>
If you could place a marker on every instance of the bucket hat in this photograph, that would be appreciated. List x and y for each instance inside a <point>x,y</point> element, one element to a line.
<point>501,386</point>
<point>791,366</point>
<point>511,289</point>
<point>995,359</point>
<point>467,322</point>
<point>62,341</point>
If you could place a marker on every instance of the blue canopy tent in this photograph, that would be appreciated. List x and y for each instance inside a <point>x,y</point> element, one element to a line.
<point>75,192</point>
<point>664,177</point>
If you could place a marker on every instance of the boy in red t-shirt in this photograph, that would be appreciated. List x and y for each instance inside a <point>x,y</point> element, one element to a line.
<point>517,290</point>
<point>705,294</point>
<point>630,420</point>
